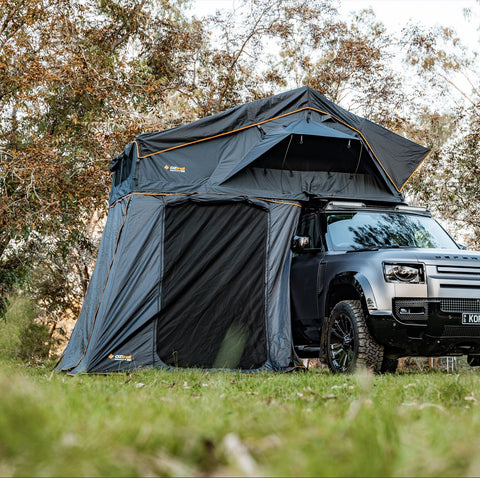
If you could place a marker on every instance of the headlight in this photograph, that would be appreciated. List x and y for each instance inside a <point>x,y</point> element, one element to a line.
<point>410,273</point>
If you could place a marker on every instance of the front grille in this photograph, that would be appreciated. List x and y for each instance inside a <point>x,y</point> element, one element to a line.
<point>458,270</point>
<point>457,331</point>
<point>460,305</point>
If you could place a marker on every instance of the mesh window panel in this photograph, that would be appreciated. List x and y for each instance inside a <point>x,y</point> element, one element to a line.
<point>213,290</point>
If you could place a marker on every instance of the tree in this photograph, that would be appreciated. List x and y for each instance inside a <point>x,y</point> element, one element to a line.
<point>80,79</point>
<point>71,95</point>
<point>449,181</point>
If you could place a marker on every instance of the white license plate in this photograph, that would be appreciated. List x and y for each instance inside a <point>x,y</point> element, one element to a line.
<point>470,319</point>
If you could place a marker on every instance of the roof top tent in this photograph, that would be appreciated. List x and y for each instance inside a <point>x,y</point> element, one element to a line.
<point>193,267</point>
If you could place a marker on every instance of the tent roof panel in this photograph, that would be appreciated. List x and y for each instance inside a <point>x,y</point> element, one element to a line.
<point>299,127</point>
<point>398,156</point>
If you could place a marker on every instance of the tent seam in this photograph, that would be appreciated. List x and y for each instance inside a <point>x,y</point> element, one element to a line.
<point>104,286</point>
<point>160,288</point>
<point>213,193</point>
<point>274,118</point>
<point>266,285</point>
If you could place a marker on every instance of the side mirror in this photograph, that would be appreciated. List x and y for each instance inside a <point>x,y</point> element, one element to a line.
<point>299,243</point>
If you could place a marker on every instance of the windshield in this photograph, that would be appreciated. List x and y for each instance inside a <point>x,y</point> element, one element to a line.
<point>365,230</point>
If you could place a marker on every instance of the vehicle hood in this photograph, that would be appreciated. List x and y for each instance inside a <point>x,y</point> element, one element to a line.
<point>457,257</point>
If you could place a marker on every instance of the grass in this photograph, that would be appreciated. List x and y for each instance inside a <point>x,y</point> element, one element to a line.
<point>193,422</point>
<point>196,423</point>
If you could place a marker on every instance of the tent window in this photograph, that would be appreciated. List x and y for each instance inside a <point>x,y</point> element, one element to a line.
<point>123,170</point>
<point>213,290</point>
<point>311,153</point>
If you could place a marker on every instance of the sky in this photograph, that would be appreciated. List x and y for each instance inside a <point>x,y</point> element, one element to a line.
<point>396,13</point>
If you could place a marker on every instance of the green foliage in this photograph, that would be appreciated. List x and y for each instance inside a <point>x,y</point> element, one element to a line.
<point>190,423</point>
<point>448,181</point>
<point>34,342</point>
<point>69,74</point>
<point>21,335</point>
<point>19,314</point>
<point>86,77</point>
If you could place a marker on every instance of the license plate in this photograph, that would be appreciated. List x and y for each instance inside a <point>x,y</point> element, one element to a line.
<point>470,319</point>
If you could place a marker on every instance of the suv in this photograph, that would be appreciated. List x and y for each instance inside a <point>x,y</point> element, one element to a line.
<point>372,283</point>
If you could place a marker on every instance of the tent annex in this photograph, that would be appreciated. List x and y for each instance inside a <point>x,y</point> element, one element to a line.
<point>193,268</point>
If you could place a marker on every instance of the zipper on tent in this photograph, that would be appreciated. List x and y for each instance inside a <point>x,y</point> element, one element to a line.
<point>262,131</point>
<point>135,177</point>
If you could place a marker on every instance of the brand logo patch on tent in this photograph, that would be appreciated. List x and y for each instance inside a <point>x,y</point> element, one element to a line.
<point>175,169</point>
<point>122,358</point>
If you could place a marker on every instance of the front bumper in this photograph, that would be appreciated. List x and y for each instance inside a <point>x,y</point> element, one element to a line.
<point>426,327</point>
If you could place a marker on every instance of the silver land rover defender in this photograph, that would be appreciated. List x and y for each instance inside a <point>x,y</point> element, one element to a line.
<point>371,283</point>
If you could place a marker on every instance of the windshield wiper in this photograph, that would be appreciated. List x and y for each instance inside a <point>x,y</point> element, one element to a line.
<point>364,249</point>
<point>376,248</point>
<point>396,246</point>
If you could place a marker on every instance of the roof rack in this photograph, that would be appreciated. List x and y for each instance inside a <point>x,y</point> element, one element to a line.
<point>416,209</point>
<point>344,205</point>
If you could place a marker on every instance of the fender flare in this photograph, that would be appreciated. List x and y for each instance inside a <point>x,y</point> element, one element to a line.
<point>360,283</point>
<point>362,287</point>
<point>365,289</point>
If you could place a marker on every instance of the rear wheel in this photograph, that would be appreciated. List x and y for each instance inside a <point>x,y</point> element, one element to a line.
<point>389,365</point>
<point>473,360</point>
<point>349,343</point>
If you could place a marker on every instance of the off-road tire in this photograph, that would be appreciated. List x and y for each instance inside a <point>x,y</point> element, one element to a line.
<point>349,345</point>
<point>473,360</point>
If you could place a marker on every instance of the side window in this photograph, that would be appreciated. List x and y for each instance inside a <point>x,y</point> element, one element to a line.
<point>123,168</point>
<point>126,168</point>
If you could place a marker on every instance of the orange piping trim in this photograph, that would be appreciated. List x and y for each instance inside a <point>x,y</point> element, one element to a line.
<point>218,135</point>
<point>146,194</point>
<point>281,116</point>
<point>193,193</point>
<point>105,285</point>
<point>253,197</point>
<point>276,202</point>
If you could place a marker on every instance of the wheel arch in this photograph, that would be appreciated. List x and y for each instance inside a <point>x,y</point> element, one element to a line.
<point>350,286</point>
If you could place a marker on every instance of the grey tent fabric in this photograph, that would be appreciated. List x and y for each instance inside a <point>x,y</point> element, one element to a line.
<point>202,156</point>
<point>299,128</point>
<point>398,156</point>
<point>194,264</point>
<point>117,328</point>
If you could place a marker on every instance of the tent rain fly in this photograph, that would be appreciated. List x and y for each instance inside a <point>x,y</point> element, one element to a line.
<point>193,268</point>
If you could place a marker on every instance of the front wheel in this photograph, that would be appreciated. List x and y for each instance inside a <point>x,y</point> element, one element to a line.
<point>349,343</point>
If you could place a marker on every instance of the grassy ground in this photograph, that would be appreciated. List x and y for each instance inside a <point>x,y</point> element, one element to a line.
<point>218,424</point>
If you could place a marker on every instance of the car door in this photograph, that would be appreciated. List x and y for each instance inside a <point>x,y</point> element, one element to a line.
<point>307,283</point>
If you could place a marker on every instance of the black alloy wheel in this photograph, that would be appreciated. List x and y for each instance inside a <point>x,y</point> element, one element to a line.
<point>473,360</point>
<point>349,343</point>
<point>342,343</point>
